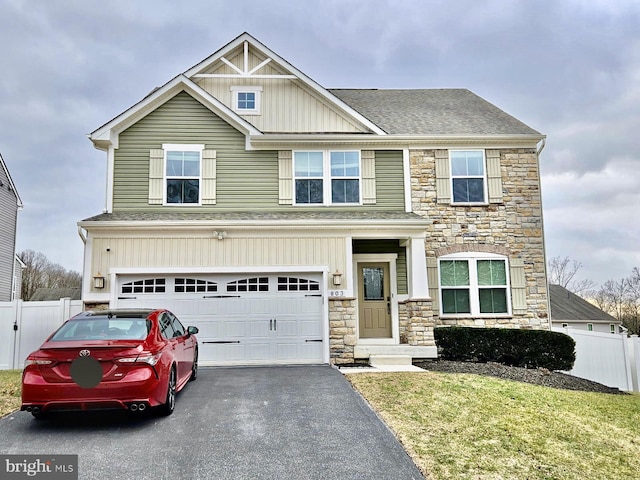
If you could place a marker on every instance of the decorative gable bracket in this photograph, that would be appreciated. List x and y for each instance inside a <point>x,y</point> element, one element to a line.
<point>244,72</point>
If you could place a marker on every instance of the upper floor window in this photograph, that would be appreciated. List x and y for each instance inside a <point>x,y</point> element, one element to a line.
<point>468,176</point>
<point>246,99</point>
<point>182,173</point>
<point>474,284</point>
<point>327,177</point>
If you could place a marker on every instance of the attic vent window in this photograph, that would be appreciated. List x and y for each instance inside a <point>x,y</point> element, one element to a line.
<point>246,99</point>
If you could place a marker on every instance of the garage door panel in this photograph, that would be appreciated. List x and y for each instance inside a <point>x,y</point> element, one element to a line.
<point>244,325</point>
<point>309,328</point>
<point>259,329</point>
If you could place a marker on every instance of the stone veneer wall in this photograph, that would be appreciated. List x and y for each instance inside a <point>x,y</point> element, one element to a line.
<point>512,227</point>
<point>416,322</point>
<point>342,330</point>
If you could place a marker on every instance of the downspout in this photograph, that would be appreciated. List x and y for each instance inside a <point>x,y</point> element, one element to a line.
<point>81,235</point>
<point>544,241</point>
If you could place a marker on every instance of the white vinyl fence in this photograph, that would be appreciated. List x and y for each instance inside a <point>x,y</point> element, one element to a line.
<point>610,359</point>
<point>25,325</point>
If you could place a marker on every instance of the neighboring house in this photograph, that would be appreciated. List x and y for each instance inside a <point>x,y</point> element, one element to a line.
<point>47,294</point>
<point>570,310</point>
<point>297,224</point>
<point>10,203</point>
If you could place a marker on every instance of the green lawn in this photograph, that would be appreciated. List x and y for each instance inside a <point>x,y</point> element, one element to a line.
<point>10,385</point>
<point>473,427</point>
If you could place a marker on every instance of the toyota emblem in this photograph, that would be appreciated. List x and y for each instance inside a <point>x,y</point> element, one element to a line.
<point>85,353</point>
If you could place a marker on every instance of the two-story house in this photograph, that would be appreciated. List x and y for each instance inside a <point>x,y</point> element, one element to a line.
<point>297,224</point>
<point>10,265</point>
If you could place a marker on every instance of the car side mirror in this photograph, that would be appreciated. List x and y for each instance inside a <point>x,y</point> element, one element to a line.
<point>192,330</point>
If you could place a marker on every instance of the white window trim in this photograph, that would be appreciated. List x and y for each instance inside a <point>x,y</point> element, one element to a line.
<point>236,89</point>
<point>590,327</point>
<point>612,328</point>
<point>484,177</point>
<point>474,297</point>
<point>178,147</point>
<point>326,179</point>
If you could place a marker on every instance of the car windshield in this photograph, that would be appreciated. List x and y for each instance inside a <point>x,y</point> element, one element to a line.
<point>103,328</point>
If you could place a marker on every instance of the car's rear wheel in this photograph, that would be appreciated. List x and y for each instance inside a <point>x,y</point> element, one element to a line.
<point>194,368</point>
<point>170,403</point>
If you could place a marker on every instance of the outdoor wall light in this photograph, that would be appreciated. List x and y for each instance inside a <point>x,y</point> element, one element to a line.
<point>220,235</point>
<point>337,278</point>
<point>98,281</point>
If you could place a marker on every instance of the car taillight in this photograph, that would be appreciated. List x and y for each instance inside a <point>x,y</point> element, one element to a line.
<point>148,359</point>
<point>36,361</point>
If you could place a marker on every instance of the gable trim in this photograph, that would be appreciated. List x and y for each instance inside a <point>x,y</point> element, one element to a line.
<point>11,184</point>
<point>246,39</point>
<point>108,133</point>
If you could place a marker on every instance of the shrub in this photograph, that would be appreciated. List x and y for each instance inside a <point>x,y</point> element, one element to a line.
<point>515,347</point>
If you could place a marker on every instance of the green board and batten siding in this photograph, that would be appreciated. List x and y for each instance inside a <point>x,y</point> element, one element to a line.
<point>246,180</point>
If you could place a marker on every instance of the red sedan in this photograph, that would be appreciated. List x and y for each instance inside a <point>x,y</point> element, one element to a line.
<point>128,359</point>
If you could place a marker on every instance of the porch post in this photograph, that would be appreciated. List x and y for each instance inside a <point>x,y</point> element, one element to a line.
<point>418,286</point>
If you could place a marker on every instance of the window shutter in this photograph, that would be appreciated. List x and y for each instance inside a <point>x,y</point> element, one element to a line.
<point>285,177</point>
<point>434,283</point>
<point>368,158</point>
<point>494,176</point>
<point>518,287</point>
<point>443,181</point>
<point>208,177</point>
<point>156,176</point>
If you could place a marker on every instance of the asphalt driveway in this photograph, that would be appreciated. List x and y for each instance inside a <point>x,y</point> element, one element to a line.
<point>239,423</point>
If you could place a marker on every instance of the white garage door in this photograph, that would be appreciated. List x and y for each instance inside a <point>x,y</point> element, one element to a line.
<point>243,320</point>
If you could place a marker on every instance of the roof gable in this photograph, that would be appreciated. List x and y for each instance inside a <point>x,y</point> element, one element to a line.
<point>7,182</point>
<point>245,59</point>
<point>108,133</point>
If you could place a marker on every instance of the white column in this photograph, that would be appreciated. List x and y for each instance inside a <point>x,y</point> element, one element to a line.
<point>417,266</point>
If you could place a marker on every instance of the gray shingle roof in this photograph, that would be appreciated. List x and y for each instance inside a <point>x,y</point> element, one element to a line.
<point>568,306</point>
<point>432,112</point>
<point>348,215</point>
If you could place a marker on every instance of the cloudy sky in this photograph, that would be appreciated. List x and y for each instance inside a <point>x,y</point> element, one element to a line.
<point>568,68</point>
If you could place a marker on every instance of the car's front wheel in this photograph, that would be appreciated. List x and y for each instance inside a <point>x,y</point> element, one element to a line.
<point>170,403</point>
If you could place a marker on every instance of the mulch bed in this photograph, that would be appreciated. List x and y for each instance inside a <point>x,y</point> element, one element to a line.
<point>537,376</point>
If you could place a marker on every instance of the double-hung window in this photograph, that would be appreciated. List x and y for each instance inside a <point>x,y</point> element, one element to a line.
<point>468,176</point>
<point>309,174</point>
<point>327,177</point>
<point>183,173</point>
<point>473,285</point>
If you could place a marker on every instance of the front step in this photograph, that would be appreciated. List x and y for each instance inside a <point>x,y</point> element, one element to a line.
<point>383,360</point>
